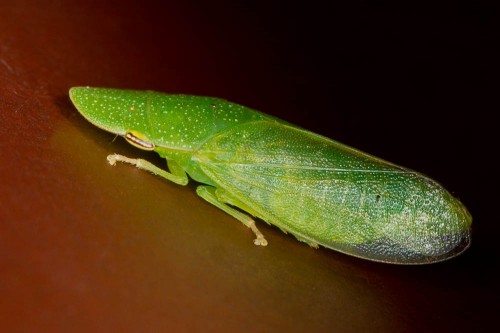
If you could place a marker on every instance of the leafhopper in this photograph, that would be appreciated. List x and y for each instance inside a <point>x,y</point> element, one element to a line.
<point>321,191</point>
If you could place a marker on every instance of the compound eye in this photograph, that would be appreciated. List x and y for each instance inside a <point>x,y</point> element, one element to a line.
<point>138,140</point>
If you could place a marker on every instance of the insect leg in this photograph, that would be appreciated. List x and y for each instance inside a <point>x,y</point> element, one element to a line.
<point>177,174</point>
<point>209,194</point>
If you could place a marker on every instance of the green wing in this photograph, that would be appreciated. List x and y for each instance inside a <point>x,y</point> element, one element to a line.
<point>327,193</point>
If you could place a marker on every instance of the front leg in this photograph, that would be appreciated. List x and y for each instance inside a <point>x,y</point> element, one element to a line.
<point>177,174</point>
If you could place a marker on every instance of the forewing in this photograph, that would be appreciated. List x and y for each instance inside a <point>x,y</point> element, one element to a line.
<point>317,189</point>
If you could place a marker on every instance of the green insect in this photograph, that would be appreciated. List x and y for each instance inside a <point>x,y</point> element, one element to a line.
<point>319,190</point>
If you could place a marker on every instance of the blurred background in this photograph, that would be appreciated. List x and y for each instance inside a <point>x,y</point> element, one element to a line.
<point>90,247</point>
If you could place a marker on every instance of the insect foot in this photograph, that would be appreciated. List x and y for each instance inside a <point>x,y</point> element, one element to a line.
<point>112,159</point>
<point>260,240</point>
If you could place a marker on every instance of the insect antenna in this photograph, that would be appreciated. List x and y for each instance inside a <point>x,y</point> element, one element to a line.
<point>114,139</point>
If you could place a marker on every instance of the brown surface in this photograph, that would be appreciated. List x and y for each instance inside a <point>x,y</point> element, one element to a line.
<point>93,248</point>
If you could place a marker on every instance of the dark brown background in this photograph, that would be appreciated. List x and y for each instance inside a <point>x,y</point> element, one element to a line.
<point>88,247</point>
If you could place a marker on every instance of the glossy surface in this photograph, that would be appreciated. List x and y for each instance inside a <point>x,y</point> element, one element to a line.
<point>86,247</point>
<point>319,190</point>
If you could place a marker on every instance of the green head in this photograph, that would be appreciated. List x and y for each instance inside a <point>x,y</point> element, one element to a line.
<point>124,113</point>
